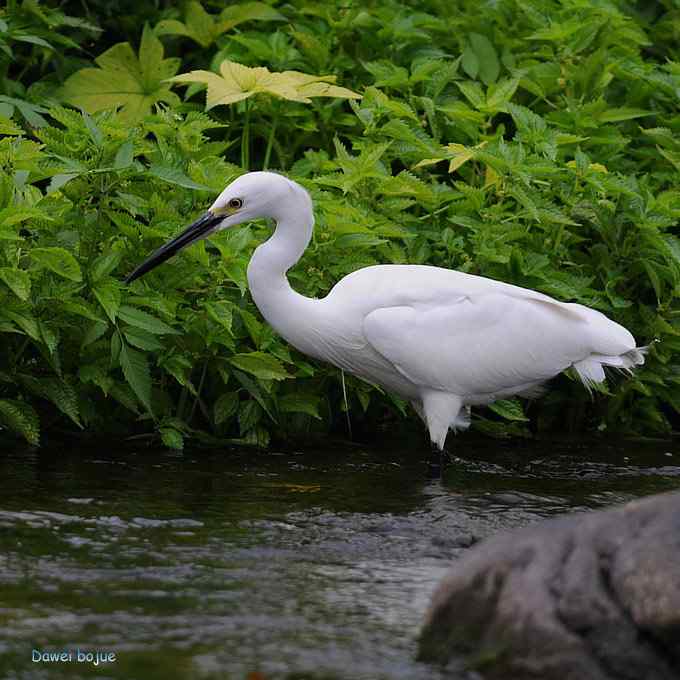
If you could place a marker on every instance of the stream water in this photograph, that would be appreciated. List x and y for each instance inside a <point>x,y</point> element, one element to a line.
<point>253,566</point>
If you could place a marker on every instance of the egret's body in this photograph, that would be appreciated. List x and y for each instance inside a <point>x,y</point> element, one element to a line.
<point>442,339</point>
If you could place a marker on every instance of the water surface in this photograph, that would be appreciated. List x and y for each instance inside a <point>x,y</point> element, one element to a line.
<point>262,566</point>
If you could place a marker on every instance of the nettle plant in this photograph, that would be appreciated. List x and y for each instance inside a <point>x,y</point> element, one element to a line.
<point>534,142</point>
<point>184,351</point>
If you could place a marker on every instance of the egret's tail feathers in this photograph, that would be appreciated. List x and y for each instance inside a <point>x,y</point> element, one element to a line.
<point>591,370</point>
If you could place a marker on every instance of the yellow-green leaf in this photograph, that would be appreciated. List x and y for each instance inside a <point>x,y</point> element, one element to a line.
<point>124,80</point>
<point>237,82</point>
<point>205,28</point>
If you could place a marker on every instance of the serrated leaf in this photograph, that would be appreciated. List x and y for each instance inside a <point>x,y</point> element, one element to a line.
<point>17,280</point>
<point>49,335</point>
<point>500,94</point>
<point>80,309</point>
<point>261,365</point>
<point>58,260</point>
<point>473,93</point>
<point>172,438</point>
<point>145,321</point>
<point>63,396</point>
<point>136,371</point>
<point>104,265</point>
<point>8,127</point>
<point>20,417</point>
<point>510,409</point>
<point>622,113</point>
<point>95,331</point>
<point>175,176</point>
<point>25,321</point>
<point>124,80</point>
<point>108,296</point>
<point>142,339</point>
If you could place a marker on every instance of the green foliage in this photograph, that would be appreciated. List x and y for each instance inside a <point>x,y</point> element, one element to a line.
<point>534,142</point>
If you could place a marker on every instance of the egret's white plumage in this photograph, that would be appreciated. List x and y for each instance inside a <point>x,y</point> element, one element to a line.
<point>442,339</point>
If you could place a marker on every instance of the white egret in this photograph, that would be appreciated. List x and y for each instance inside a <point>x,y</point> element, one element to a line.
<point>442,339</point>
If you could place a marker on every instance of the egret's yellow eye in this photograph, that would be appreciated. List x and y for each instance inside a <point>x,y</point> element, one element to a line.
<point>235,203</point>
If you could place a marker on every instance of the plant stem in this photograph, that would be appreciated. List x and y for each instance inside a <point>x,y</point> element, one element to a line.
<point>245,139</point>
<point>270,141</point>
<point>198,391</point>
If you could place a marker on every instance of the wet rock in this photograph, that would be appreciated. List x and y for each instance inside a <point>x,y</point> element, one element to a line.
<point>592,596</point>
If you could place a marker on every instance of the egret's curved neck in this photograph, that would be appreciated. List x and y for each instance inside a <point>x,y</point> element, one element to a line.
<point>280,305</point>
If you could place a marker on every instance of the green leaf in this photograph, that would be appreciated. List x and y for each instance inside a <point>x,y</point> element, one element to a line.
<point>124,156</point>
<point>300,403</point>
<point>79,309</point>
<point>49,335</point>
<point>58,260</point>
<point>17,280</point>
<point>104,265</point>
<point>108,296</point>
<point>145,321</point>
<point>136,371</point>
<point>249,415</point>
<point>510,409</point>
<point>58,181</point>
<point>261,365</point>
<point>27,323</point>
<point>179,367</point>
<point>500,94</point>
<point>124,80</point>
<point>489,66</point>
<point>63,396</point>
<point>142,339</point>
<point>94,331</point>
<point>172,438</point>
<point>622,113</point>
<point>225,407</point>
<point>470,62</point>
<point>19,417</point>
<point>175,176</point>
<point>95,132</point>
<point>473,93</point>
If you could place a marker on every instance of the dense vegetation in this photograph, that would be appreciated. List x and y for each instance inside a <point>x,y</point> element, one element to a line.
<point>533,141</point>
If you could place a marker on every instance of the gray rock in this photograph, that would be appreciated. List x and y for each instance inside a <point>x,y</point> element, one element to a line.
<point>590,596</point>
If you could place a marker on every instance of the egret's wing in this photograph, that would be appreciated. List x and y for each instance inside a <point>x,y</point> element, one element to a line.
<point>478,344</point>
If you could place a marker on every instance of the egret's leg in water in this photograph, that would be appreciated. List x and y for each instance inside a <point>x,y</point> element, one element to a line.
<point>436,462</point>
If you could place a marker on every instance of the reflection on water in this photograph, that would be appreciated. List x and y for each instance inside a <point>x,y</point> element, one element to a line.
<point>249,565</point>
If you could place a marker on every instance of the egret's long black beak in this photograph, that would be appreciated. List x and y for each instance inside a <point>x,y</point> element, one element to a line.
<point>200,228</point>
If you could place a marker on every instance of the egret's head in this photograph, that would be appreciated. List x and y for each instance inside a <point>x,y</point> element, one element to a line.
<point>250,196</point>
